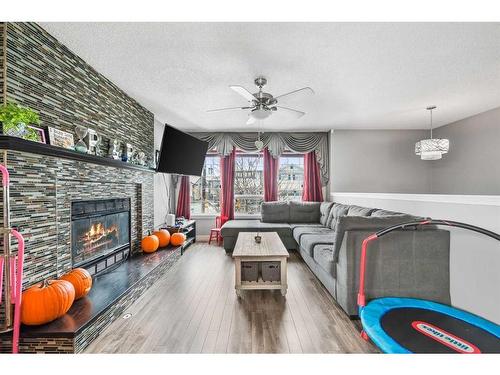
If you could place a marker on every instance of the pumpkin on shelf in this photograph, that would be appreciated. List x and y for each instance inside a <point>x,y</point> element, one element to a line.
<point>150,243</point>
<point>177,239</point>
<point>163,236</point>
<point>80,279</point>
<point>46,301</point>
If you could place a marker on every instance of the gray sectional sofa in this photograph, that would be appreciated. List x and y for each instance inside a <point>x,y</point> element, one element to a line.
<point>328,236</point>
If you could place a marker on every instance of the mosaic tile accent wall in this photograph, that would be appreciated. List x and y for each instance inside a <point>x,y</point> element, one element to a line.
<point>41,192</point>
<point>46,76</point>
<point>2,62</point>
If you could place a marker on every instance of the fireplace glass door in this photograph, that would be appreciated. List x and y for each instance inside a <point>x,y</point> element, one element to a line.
<point>99,228</point>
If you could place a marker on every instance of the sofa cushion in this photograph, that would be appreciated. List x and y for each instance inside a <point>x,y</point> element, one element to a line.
<point>324,211</point>
<point>380,213</point>
<point>309,240</point>
<point>304,212</point>
<point>275,212</point>
<point>233,227</point>
<point>298,231</point>
<point>337,210</point>
<point>323,255</point>
<point>309,225</point>
<point>364,223</point>
<point>370,223</point>
<point>359,211</point>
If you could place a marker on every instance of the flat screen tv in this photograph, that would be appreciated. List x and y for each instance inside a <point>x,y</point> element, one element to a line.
<point>181,153</point>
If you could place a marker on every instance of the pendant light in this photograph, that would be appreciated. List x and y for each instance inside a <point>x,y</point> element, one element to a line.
<point>433,148</point>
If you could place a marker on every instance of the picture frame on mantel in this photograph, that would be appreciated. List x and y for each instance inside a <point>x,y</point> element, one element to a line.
<point>60,138</point>
<point>38,134</point>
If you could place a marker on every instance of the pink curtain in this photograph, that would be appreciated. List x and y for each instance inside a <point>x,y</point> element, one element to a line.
<point>271,166</point>
<point>312,191</point>
<point>184,200</point>
<point>227,185</point>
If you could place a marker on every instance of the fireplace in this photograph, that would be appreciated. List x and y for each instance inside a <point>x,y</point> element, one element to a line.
<point>100,233</point>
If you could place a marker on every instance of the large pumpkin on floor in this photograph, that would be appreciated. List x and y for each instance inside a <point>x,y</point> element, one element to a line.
<point>80,279</point>
<point>163,236</point>
<point>177,239</point>
<point>46,301</point>
<point>150,243</point>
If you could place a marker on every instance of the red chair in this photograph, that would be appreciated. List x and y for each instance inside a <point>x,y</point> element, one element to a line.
<point>215,232</point>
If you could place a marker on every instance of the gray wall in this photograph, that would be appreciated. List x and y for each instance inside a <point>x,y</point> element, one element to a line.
<point>383,161</point>
<point>473,164</point>
<point>378,161</point>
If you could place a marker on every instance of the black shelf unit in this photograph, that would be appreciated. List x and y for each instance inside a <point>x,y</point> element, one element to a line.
<point>18,144</point>
<point>189,229</point>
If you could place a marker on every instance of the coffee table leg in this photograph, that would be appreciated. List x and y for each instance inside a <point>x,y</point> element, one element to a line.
<point>237,276</point>
<point>284,282</point>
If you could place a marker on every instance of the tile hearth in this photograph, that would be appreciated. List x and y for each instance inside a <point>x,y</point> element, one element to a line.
<point>110,295</point>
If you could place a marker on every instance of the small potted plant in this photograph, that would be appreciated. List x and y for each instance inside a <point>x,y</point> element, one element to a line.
<point>16,121</point>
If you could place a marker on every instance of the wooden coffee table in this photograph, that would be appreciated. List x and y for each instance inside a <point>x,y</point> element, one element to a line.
<point>271,249</point>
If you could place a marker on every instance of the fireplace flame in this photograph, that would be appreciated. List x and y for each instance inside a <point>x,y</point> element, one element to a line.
<point>97,231</point>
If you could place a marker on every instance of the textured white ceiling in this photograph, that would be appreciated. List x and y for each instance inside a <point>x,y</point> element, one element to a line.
<point>366,75</point>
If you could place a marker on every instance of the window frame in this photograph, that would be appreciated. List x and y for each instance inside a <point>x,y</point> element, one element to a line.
<point>194,215</point>
<point>291,177</point>
<point>244,215</point>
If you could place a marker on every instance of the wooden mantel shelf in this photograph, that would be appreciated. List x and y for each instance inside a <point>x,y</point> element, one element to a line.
<point>19,144</point>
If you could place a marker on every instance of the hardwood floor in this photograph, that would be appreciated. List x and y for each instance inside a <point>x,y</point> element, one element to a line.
<point>194,309</point>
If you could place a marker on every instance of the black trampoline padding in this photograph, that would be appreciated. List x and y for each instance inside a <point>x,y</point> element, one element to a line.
<point>427,331</point>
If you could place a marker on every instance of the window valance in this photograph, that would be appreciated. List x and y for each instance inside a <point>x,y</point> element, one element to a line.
<point>276,143</point>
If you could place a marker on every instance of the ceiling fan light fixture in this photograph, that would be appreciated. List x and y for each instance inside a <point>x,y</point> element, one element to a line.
<point>263,104</point>
<point>260,113</point>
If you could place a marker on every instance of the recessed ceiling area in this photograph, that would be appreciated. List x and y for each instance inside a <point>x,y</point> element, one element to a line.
<point>365,75</point>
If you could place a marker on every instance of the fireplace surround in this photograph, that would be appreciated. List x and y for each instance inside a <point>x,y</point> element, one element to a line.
<point>46,183</point>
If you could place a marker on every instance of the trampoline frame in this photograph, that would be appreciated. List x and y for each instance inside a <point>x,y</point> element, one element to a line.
<point>371,321</point>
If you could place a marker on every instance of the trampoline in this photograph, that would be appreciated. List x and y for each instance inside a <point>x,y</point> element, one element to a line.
<point>409,325</point>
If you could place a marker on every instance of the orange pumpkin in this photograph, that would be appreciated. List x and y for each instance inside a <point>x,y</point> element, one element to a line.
<point>44,302</point>
<point>81,280</point>
<point>163,236</point>
<point>150,243</point>
<point>177,239</point>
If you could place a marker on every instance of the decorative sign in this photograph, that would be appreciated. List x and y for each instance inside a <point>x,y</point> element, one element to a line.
<point>61,138</point>
<point>440,335</point>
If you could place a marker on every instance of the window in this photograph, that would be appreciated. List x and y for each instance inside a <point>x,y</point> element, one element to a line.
<point>205,190</point>
<point>290,177</point>
<point>248,183</point>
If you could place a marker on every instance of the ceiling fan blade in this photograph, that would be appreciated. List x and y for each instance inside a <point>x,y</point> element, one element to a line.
<point>244,92</point>
<point>250,120</point>
<point>294,112</point>
<point>228,109</point>
<point>303,89</point>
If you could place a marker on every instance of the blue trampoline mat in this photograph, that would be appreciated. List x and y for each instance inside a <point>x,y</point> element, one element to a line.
<point>408,325</point>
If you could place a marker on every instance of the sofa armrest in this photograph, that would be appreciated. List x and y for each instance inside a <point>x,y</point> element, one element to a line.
<point>404,263</point>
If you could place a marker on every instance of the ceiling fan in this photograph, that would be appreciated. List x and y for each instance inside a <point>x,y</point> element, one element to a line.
<point>263,104</point>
